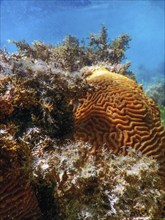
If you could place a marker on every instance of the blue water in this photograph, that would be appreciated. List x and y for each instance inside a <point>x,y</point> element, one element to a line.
<point>51,21</point>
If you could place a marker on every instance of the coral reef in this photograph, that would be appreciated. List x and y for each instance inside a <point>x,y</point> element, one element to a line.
<point>119,114</point>
<point>43,91</point>
<point>17,198</point>
<point>72,55</point>
<point>40,95</point>
<point>33,96</point>
<point>91,184</point>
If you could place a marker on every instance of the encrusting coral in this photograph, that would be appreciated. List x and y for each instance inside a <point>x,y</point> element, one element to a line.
<point>48,95</point>
<point>119,115</point>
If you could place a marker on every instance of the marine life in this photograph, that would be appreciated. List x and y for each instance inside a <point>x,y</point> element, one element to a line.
<point>119,115</point>
<point>156,92</point>
<point>50,94</point>
<point>100,185</point>
<point>17,198</point>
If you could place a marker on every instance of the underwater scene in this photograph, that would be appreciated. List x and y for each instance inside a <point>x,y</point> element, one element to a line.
<point>82,109</point>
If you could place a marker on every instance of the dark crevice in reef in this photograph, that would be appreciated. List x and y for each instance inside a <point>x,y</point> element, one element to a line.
<point>46,201</point>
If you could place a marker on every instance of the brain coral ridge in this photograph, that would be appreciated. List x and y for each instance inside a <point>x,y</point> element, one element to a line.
<point>17,200</point>
<point>119,115</point>
<point>17,197</point>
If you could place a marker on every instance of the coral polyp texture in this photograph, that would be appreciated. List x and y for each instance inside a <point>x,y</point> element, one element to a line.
<point>77,91</point>
<point>17,198</point>
<point>119,115</point>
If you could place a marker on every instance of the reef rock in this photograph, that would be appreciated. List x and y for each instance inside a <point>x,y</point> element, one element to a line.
<point>119,115</point>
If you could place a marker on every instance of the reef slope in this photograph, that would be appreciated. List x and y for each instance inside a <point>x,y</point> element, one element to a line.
<point>119,115</point>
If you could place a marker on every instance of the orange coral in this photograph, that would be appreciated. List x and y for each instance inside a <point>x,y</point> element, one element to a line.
<point>17,199</point>
<point>119,115</point>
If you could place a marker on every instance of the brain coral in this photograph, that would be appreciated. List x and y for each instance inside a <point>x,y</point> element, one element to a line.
<point>17,198</point>
<point>119,115</point>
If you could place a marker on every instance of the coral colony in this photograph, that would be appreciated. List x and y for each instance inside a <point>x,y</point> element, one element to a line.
<point>79,137</point>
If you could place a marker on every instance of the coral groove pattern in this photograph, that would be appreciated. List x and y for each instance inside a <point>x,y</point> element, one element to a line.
<point>17,200</point>
<point>119,115</point>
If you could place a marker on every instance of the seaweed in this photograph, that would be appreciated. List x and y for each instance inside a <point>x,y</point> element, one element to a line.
<point>100,185</point>
<point>40,89</point>
<point>15,154</point>
<point>156,92</point>
<point>72,55</point>
<point>162,111</point>
<point>40,95</point>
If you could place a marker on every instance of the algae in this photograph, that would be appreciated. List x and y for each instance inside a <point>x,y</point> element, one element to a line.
<point>40,87</point>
